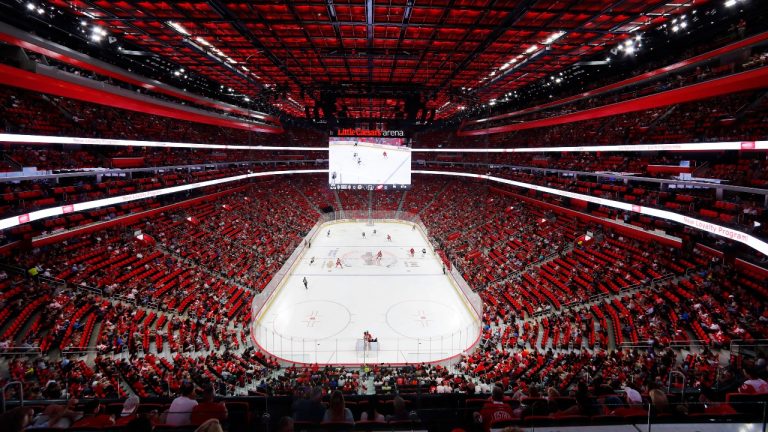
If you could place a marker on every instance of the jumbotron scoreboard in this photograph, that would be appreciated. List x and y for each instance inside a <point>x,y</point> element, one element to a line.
<point>369,159</point>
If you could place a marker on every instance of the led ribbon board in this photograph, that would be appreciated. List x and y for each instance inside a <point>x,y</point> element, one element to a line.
<point>709,227</point>
<point>719,230</point>
<point>105,202</point>
<point>712,146</point>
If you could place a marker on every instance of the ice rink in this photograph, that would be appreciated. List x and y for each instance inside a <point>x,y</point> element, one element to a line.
<point>404,301</point>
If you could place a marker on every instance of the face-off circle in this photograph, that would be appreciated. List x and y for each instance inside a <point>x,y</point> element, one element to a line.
<point>418,318</point>
<point>325,319</point>
<point>369,258</point>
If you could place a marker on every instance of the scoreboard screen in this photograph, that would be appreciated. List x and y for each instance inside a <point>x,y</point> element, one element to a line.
<point>370,163</point>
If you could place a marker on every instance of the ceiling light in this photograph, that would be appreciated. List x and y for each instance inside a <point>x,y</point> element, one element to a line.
<point>96,37</point>
<point>40,11</point>
<point>531,48</point>
<point>203,41</point>
<point>553,37</point>
<point>178,27</point>
<point>675,28</point>
<point>730,3</point>
<point>31,6</point>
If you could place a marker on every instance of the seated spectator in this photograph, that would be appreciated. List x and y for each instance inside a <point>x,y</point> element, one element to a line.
<point>310,409</point>
<point>180,412</point>
<point>336,411</point>
<point>585,402</point>
<point>208,409</point>
<point>57,416</point>
<point>94,417</point>
<point>371,413</point>
<point>139,424</point>
<point>753,383</point>
<point>210,425</point>
<point>17,419</point>
<point>285,424</point>
<point>633,396</point>
<point>128,413</point>
<point>495,410</point>
<point>659,401</point>
<point>399,412</point>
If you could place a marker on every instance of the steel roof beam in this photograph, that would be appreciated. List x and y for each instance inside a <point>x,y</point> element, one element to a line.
<point>228,16</point>
<point>505,25</point>
<point>331,8</point>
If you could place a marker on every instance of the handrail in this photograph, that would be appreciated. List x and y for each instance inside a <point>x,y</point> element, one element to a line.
<point>19,270</point>
<point>81,351</point>
<point>672,344</point>
<point>669,382</point>
<point>19,350</point>
<point>751,342</point>
<point>11,384</point>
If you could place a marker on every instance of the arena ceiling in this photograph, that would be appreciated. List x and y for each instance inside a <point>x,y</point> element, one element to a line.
<point>373,58</point>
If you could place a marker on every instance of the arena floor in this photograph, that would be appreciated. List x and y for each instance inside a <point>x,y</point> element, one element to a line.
<point>404,301</point>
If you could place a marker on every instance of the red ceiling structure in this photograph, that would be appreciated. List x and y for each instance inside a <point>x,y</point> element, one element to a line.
<point>433,47</point>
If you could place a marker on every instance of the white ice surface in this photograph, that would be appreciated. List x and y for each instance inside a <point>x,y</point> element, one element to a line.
<point>406,302</point>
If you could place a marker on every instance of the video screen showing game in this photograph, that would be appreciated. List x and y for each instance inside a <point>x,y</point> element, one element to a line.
<point>371,163</point>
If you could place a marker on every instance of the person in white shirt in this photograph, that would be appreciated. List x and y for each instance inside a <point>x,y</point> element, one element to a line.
<point>633,396</point>
<point>181,407</point>
<point>753,383</point>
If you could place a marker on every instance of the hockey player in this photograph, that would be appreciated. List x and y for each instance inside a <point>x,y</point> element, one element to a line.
<point>312,261</point>
<point>385,155</point>
<point>363,234</point>
<point>306,285</point>
<point>389,237</point>
<point>378,257</point>
<point>329,233</point>
<point>412,252</point>
<point>338,263</point>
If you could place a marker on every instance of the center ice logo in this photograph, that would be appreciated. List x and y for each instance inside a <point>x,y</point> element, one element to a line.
<point>380,258</point>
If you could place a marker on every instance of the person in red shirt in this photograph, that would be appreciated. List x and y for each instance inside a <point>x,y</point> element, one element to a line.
<point>208,409</point>
<point>94,417</point>
<point>494,410</point>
